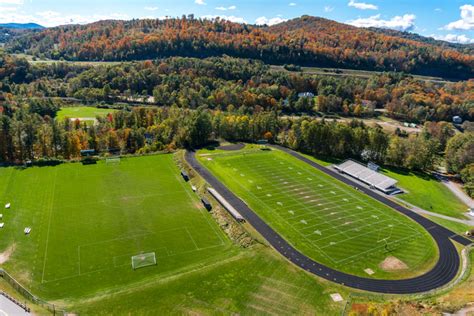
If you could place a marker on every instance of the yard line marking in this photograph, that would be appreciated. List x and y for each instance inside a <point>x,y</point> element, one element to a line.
<point>50,206</point>
<point>192,239</point>
<point>274,177</point>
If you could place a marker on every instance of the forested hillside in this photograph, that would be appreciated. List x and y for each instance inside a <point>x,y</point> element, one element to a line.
<point>307,41</point>
<point>241,84</point>
<point>236,99</point>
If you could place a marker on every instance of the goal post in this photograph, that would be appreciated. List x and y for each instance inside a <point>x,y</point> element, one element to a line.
<point>143,260</point>
<point>112,160</point>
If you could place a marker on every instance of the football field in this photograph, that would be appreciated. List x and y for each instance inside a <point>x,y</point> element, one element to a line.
<point>325,219</point>
<point>88,221</point>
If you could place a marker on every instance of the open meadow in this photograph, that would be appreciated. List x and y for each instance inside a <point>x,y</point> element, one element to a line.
<point>84,113</point>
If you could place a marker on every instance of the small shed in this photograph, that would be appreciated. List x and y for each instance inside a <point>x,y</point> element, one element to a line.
<point>457,119</point>
<point>87,152</point>
<point>306,95</point>
<point>206,204</point>
<point>185,175</point>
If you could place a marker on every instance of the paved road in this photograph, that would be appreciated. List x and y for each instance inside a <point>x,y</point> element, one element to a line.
<point>442,273</point>
<point>458,191</point>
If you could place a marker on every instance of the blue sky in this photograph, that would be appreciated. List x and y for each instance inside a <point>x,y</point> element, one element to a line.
<point>451,20</point>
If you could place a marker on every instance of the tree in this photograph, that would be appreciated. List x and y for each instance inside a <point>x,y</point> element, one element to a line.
<point>421,152</point>
<point>268,136</point>
<point>200,128</point>
<point>397,151</point>
<point>467,176</point>
<point>460,152</point>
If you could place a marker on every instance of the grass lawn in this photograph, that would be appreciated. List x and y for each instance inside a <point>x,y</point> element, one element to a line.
<point>325,219</point>
<point>87,113</point>
<point>426,192</point>
<point>87,222</point>
<point>257,281</point>
<point>323,161</point>
<point>456,227</point>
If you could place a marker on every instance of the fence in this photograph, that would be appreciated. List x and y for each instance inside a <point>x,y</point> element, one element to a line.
<point>28,295</point>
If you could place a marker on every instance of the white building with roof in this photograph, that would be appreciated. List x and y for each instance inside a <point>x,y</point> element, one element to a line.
<point>370,177</point>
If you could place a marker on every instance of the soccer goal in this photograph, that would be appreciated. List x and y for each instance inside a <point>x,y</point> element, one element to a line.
<point>143,260</point>
<point>112,160</point>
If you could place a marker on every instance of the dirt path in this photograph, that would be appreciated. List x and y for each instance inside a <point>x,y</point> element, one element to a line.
<point>4,256</point>
<point>468,310</point>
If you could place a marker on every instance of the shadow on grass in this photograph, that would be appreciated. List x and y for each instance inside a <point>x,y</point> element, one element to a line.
<point>406,172</point>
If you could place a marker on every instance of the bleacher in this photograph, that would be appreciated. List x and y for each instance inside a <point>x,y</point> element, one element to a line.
<point>368,176</point>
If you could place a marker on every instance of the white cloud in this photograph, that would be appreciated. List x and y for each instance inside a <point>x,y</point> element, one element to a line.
<point>438,9</point>
<point>400,23</point>
<point>200,2</point>
<point>231,18</point>
<point>264,21</point>
<point>232,7</point>
<point>467,19</point>
<point>8,9</point>
<point>16,2</point>
<point>362,5</point>
<point>328,9</point>
<point>52,18</point>
<point>292,4</point>
<point>454,38</point>
<point>151,8</point>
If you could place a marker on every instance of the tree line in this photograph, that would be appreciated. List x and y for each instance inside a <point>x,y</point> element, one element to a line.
<point>229,84</point>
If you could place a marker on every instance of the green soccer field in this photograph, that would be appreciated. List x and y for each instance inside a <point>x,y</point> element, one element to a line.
<point>88,221</point>
<point>85,113</point>
<point>325,219</point>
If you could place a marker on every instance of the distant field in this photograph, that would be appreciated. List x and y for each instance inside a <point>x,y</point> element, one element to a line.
<point>428,193</point>
<point>87,222</point>
<point>86,113</point>
<point>32,60</point>
<point>365,74</point>
<point>325,219</point>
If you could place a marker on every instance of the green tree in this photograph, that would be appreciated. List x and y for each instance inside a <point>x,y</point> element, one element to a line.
<point>460,152</point>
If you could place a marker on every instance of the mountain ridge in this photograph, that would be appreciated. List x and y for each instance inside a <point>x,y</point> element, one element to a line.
<point>25,26</point>
<point>305,41</point>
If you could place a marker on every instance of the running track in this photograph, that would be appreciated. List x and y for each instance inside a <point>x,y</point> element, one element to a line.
<point>442,273</point>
